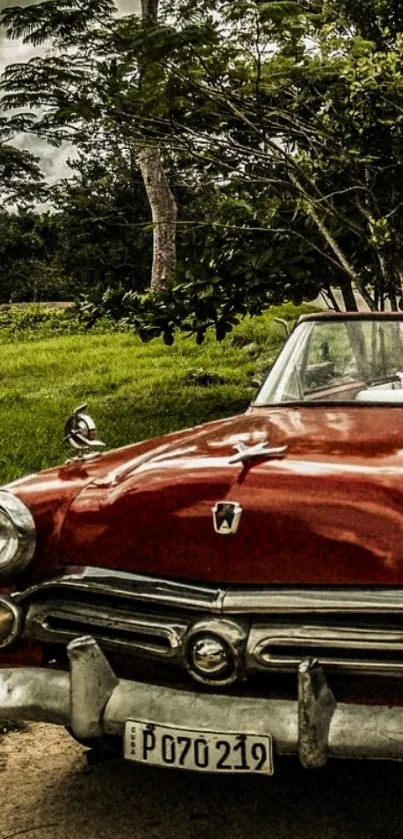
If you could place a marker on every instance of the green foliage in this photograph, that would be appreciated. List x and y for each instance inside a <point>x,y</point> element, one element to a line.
<point>281,128</point>
<point>194,308</point>
<point>64,19</point>
<point>33,322</point>
<point>95,239</point>
<point>102,211</point>
<point>21,178</point>
<point>128,82</point>
<point>29,268</point>
<point>28,322</point>
<point>226,269</point>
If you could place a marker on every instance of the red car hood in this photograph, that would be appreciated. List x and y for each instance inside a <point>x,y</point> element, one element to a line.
<point>48,495</point>
<point>330,512</point>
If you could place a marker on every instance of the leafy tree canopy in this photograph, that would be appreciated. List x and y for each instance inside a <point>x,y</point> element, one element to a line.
<point>21,178</point>
<point>100,218</point>
<point>283,119</point>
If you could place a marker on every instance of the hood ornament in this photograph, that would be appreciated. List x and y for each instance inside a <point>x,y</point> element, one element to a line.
<point>245,454</point>
<point>81,433</point>
<point>226,517</point>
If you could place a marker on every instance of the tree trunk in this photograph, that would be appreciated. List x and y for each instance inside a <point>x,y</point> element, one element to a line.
<point>162,202</point>
<point>349,300</point>
<point>393,301</point>
<point>344,263</point>
<point>149,9</point>
<point>329,298</point>
<point>164,213</point>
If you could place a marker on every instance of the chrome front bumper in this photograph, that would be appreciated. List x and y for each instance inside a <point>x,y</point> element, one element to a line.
<point>92,701</point>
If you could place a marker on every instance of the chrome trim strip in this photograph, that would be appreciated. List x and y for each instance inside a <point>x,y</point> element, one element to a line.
<point>320,601</point>
<point>356,667</point>
<point>131,586</point>
<point>271,648</point>
<point>339,637</point>
<point>222,599</point>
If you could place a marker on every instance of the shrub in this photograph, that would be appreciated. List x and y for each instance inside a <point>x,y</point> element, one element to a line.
<point>31,322</point>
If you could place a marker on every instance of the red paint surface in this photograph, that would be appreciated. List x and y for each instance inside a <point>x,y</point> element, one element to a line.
<point>331,512</point>
<point>25,655</point>
<point>48,495</point>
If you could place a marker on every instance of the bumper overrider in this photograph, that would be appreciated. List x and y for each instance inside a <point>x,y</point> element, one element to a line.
<point>92,701</point>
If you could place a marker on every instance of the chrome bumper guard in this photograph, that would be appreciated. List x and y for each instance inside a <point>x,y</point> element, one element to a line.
<point>92,701</point>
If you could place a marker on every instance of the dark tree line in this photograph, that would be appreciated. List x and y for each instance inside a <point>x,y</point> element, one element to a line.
<point>89,236</point>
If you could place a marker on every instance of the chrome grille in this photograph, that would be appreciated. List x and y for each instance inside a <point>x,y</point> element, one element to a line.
<point>352,630</point>
<point>59,621</point>
<point>365,650</point>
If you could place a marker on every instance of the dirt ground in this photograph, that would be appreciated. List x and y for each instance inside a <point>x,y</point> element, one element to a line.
<point>47,791</point>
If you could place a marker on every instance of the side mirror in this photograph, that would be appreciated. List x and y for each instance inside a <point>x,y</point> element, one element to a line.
<point>80,431</point>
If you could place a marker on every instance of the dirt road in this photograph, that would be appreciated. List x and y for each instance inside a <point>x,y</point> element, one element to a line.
<point>48,792</point>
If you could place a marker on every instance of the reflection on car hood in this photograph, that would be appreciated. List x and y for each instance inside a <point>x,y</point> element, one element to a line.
<point>330,512</point>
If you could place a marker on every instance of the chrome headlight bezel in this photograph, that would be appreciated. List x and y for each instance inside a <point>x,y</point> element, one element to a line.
<point>23,523</point>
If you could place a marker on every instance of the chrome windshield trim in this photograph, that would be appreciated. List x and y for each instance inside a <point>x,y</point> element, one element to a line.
<point>221,599</point>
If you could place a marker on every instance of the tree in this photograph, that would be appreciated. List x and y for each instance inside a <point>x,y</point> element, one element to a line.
<point>75,92</point>
<point>29,268</point>
<point>100,218</point>
<point>24,236</point>
<point>162,202</point>
<point>315,119</point>
<point>21,178</point>
<point>303,142</point>
<point>287,115</point>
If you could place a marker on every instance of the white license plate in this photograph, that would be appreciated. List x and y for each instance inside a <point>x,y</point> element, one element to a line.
<point>203,751</point>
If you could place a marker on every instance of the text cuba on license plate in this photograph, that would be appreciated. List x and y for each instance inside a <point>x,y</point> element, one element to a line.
<point>209,751</point>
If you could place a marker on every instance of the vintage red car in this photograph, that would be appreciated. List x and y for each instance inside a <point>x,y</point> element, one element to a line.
<point>227,593</point>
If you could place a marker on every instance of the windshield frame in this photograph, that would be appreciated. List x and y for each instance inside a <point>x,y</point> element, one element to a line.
<point>299,336</point>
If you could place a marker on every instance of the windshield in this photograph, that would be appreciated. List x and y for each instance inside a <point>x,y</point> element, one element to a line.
<point>356,360</point>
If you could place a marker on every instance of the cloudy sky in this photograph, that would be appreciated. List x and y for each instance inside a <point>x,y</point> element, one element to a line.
<point>54,161</point>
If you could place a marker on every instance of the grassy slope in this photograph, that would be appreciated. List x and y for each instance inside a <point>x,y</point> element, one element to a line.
<point>135,391</point>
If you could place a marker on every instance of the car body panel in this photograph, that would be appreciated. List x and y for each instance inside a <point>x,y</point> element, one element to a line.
<point>330,512</point>
<point>48,494</point>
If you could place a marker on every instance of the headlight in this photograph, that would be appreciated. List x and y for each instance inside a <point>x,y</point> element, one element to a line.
<point>17,534</point>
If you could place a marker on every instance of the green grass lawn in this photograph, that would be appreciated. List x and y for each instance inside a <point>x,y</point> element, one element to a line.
<point>134,391</point>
